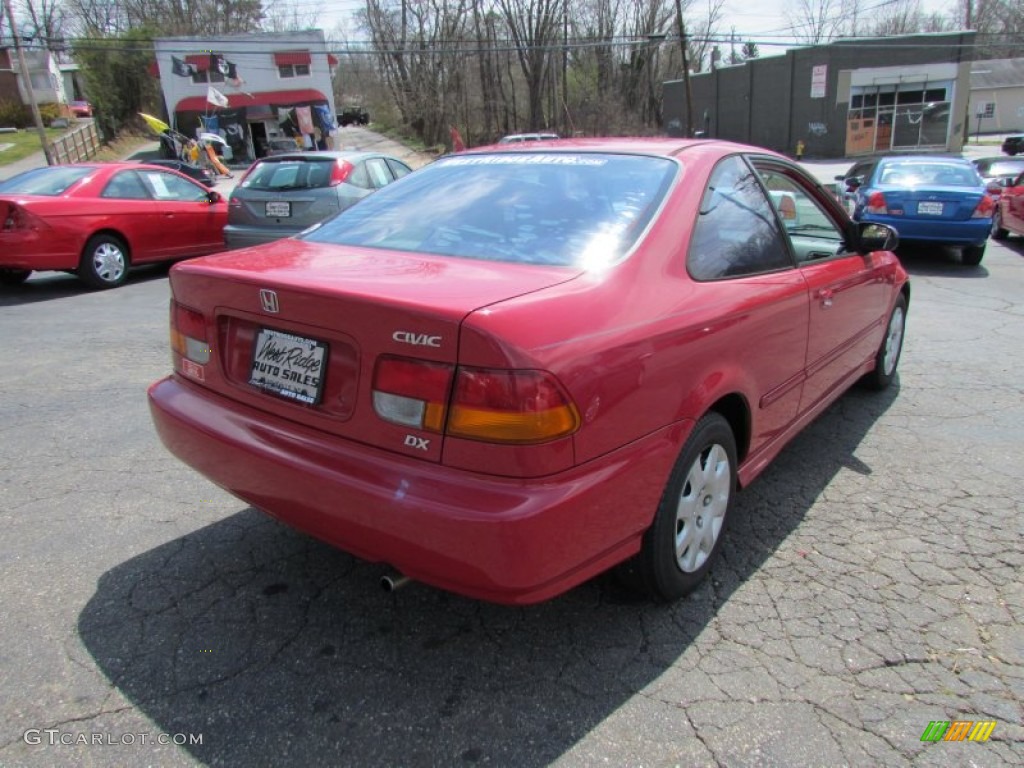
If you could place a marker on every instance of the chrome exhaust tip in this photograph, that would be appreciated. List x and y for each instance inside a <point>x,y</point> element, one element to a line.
<point>392,582</point>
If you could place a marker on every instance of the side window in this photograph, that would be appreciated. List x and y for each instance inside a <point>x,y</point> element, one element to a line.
<point>398,169</point>
<point>737,232</point>
<point>811,231</point>
<point>380,176</point>
<point>126,186</point>
<point>166,186</point>
<point>359,177</point>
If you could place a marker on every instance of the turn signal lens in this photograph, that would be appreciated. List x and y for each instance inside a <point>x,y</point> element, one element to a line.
<point>505,406</point>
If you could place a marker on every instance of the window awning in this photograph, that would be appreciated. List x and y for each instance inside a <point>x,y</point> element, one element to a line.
<point>200,61</point>
<point>237,100</point>
<point>284,58</point>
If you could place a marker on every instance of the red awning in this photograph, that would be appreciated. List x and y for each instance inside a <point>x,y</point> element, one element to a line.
<point>200,61</point>
<point>283,58</point>
<point>332,60</point>
<point>236,100</point>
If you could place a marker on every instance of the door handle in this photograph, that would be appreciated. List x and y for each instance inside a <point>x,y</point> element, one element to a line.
<point>826,295</point>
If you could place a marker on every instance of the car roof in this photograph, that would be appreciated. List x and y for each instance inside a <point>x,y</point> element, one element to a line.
<point>327,154</point>
<point>665,147</point>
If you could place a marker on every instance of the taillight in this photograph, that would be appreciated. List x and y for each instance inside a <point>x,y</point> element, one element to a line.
<point>491,405</point>
<point>340,172</point>
<point>413,393</point>
<point>188,334</point>
<point>985,208</point>
<point>876,203</point>
<point>510,406</point>
<point>18,218</point>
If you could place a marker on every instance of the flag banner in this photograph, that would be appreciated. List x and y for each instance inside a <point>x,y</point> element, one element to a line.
<point>181,68</point>
<point>228,69</point>
<point>324,118</point>
<point>213,96</point>
<point>304,116</point>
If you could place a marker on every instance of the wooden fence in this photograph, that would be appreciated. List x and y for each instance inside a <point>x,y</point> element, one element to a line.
<point>80,144</point>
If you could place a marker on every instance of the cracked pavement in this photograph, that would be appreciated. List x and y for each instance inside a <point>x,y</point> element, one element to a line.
<point>870,583</point>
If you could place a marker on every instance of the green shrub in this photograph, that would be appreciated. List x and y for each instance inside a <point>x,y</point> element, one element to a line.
<point>49,112</point>
<point>14,115</point>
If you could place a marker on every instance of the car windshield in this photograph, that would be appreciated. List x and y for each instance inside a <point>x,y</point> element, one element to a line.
<point>532,208</point>
<point>290,174</point>
<point>1001,167</point>
<point>51,181</point>
<point>918,174</point>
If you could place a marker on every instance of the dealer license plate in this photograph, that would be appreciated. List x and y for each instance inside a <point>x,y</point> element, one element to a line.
<point>929,209</point>
<point>289,366</point>
<point>280,209</point>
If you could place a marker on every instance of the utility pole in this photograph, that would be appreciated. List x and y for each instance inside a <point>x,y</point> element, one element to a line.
<point>686,69</point>
<point>26,78</point>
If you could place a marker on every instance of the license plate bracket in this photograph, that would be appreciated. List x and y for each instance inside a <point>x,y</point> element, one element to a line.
<point>289,366</point>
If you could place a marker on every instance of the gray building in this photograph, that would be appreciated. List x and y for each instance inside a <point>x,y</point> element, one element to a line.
<point>997,96</point>
<point>844,99</point>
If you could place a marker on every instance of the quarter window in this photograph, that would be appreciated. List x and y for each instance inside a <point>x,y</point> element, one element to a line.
<point>737,232</point>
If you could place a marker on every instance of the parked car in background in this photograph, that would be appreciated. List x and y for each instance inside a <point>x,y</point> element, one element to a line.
<point>517,138</point>
<point>204,176</point>
<point>353,116</point>
<point>1009,216</point>
<point>1013,145</point>
<point>935,199</point>
<point>99,219</point>
<point>521,366</point>
<point>998,170</point>
<point>282,195</point>
<point>81,108</point>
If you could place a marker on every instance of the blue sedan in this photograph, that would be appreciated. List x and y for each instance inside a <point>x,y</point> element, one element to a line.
<point>928,199</point>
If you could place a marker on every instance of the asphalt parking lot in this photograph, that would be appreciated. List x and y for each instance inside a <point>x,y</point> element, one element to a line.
<point>870,584</point>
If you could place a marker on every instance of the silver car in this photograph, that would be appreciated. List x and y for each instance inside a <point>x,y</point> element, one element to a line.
<point>284,194</point>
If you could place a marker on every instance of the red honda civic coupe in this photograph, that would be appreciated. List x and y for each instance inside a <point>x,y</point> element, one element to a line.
<point>98,219</point>
<point>518,367</point>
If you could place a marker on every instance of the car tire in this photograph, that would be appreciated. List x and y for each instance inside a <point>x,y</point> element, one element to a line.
<point>887,359</point>
<point>693,513</point>
<point>104,262</point>
<point>972,255</point>
<point>14,276</point>
<point>999,232</point>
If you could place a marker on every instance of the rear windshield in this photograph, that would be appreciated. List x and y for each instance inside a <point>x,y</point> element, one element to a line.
<point>531,208</point>
<point>50,181</point>
<point>940,174</point>
<point>290,174</point>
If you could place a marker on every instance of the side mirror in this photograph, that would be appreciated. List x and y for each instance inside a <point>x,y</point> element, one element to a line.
<point>214,196</point>
<point>876,237</point>
<point>855,181</point>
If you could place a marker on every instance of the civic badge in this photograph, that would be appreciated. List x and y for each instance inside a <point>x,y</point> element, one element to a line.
<point>268,300</point>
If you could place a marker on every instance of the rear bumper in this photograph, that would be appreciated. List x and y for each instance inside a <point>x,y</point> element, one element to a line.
<point>35,250</point>
<point>243,237</point>
<point>970,232</point>
<point>500,539</point>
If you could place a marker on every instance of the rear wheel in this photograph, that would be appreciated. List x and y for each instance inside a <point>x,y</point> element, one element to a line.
<point>998,231</point>
<point>104,262</point>
<point>888,356</point>
<point>685,537</point>
<point>972,255</point>
<point>14,276</point>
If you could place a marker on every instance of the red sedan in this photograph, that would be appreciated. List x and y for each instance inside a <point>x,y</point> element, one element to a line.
<point>518,367</point>
<point>98,219</point>
<point>1009,215</point>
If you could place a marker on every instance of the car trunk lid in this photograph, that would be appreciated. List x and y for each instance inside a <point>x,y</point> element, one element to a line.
<point>324,316</point>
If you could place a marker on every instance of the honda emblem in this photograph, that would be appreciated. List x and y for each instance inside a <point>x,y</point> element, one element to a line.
<point>268,300</point>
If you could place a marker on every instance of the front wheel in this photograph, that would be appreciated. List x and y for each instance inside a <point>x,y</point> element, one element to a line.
<point>972,255</point>
<point>888,356</point>
<point>999,232</point>
<point>685,537</point>
<point>104,262</point>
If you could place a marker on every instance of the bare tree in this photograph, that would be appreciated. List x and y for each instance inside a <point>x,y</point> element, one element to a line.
<point>818,21</point>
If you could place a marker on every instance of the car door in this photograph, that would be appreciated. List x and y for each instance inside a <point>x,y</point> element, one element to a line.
<point>739,256</point>
<point>190,223</point>
<point>848,291</point>
<point>1012,206</point>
